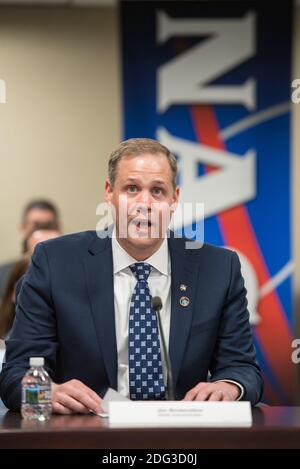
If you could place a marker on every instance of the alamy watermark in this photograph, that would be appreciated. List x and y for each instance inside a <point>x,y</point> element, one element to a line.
<point>296,93</point>
<point>296,353</point>
<point>141,221</point>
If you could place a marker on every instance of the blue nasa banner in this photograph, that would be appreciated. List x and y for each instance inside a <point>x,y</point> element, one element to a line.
<point>211,81</point>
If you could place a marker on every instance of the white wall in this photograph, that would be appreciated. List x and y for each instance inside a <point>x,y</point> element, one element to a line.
<point>62,116</point>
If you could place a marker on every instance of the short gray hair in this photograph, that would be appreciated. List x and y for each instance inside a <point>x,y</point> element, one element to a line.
<point>139,146</point>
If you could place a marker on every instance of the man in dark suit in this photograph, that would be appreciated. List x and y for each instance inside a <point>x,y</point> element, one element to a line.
<point>85,303</point>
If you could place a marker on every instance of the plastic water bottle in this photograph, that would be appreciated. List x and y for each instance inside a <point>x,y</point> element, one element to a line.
<point>36,392</point>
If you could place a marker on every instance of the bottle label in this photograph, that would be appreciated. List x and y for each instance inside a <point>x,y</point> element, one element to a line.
<point>36,395</point>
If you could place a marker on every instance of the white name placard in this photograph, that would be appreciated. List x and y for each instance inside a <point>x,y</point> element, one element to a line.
<point>180,414</point>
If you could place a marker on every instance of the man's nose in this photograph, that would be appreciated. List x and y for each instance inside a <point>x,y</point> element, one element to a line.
<point>145,199</point>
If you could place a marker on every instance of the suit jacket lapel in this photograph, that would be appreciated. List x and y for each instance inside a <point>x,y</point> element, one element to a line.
<point>99,274</point>
<point>183,272</point>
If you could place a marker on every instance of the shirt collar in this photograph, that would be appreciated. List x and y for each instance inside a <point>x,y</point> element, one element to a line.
<point>160,260</point>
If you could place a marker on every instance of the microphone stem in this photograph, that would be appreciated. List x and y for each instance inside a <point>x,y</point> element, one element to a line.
<point>169,389</point>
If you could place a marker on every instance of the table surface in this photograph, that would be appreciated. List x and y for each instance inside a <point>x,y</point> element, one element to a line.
<point>273,427</point>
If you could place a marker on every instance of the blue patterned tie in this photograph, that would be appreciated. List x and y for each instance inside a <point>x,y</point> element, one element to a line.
<point>145,368</point>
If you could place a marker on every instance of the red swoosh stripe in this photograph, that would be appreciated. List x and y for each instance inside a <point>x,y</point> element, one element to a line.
<point>273,332</point>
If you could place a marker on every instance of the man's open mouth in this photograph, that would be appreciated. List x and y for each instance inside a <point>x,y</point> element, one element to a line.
<point>141,224</point>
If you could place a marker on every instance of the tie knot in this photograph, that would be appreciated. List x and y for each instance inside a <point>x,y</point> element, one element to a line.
<point>141,270</point>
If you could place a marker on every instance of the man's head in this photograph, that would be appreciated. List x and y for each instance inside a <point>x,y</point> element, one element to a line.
<point>138,147</point>
<point>141,186</point>
<point>36,212</point>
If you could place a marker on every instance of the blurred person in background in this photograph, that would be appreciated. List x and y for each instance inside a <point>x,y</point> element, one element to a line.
<point>35,212</point>
<point>40,232</point>
<point>7,307</point>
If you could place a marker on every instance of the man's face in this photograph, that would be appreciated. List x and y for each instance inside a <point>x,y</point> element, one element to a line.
<point>143,198</point>
<point>36,216</point>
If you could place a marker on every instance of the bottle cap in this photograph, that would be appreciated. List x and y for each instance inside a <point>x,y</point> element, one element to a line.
<point>36,361</point>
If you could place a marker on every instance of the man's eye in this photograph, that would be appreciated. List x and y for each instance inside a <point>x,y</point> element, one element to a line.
<point>156,191</point>
<point>132,189</point>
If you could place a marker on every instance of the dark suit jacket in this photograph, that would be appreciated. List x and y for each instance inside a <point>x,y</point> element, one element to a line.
<point>65,313</point>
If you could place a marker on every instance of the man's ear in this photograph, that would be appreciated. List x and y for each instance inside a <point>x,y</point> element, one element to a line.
<point>108,190</point>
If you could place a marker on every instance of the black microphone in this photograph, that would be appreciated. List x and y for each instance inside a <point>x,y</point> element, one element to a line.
<point>157,306</point>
